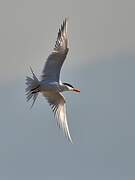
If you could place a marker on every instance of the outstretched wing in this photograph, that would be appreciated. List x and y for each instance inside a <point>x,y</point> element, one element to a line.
<point>56,59</point>
<point>57,103</point>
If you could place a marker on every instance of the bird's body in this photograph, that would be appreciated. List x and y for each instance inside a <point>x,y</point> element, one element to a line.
<point>50,85</point>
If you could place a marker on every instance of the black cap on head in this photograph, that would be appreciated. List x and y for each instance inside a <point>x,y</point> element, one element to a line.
<point>68,85</point>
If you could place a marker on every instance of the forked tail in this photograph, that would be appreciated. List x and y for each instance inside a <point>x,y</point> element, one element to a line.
<point>33,87</point>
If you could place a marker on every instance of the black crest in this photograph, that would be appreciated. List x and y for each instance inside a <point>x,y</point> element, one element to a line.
<point>68,85</point>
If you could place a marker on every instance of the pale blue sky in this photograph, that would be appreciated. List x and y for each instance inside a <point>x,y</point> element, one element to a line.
<point>101,118</point>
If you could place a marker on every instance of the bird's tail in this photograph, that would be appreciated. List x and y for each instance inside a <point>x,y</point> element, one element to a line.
<point>33,87</point>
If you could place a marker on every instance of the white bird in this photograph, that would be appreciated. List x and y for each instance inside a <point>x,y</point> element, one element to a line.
<point>50,84</point>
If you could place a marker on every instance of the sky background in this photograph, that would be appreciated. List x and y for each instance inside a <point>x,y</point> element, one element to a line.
<point>101,62</point>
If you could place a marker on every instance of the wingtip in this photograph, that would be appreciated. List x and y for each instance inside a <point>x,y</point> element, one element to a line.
<point>69,138</point>
<point>66,22</point>
<point>71,141</point>
<point>67,18</point>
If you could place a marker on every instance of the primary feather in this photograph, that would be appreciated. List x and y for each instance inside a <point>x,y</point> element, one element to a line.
<point>57,103</point>
<point>56,59</point>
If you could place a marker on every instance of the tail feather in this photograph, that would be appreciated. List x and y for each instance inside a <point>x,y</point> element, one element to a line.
<point>33,88</point>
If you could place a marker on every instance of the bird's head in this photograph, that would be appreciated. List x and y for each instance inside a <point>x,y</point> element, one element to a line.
<point>69,87</point>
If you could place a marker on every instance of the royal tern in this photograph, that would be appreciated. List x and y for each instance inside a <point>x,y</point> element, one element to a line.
<point>50,85</point>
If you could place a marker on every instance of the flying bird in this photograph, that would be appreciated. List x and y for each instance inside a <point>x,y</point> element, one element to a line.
<point>50,85</point>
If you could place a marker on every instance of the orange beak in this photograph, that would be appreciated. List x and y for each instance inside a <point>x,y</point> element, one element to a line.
<point>76,90</point>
